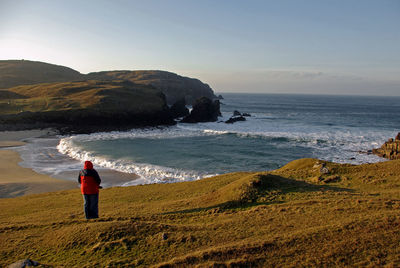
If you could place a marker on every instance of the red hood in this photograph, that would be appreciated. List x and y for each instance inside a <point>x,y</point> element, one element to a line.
<point>88,165</point>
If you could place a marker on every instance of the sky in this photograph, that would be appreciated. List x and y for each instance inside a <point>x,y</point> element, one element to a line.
<point>286,46</point>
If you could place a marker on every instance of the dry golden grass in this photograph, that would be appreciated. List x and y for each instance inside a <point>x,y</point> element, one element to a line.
<point>23,72</point>
<point>286,217</point>
<point>115,96</point>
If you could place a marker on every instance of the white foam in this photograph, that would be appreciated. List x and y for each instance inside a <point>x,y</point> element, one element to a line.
<point>43,157</point>
<point>148,173</point>
<point>340,145</point>
<point>334,143</point>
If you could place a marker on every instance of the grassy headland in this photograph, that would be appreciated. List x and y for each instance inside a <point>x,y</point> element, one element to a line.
<point>86,103</point>
<point>106,95</point>
<point>293,216</point>
<point>36,95</point>
<point>24,72</point>
<point>175,87</point>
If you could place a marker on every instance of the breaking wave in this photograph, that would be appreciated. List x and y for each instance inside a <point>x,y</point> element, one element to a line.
<point>281,128</point>
<point>339,146</point>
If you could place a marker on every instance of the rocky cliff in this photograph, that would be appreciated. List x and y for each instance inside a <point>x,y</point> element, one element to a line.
<point>390,149</point>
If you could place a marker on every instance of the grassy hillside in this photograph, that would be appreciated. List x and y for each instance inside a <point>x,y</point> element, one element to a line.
<point>174,86</point>
<point>108,96</point>
<point>293,216</point>
<point>85,102</point>
<point>22,72</point>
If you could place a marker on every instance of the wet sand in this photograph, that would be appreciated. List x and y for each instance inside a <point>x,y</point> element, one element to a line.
<point>16,180</point>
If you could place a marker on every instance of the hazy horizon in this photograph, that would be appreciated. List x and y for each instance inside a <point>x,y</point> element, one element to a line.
<point>314,47</point>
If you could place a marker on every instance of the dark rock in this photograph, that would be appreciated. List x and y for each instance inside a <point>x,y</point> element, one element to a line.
<point>23,263</point>
<point>178,109</point>
<point>236,113</point>
<point>220,97</point>
<point>368,152</point>
<point>84,121</point>
<point>390,149</point>
<point>164,236</point>
<point>204,110</point>
<point>234,119</point>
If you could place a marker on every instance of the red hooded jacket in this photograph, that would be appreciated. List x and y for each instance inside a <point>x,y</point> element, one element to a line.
<point>89,179</point>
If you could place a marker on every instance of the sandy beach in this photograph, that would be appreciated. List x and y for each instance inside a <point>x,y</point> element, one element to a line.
<point>17,181</point>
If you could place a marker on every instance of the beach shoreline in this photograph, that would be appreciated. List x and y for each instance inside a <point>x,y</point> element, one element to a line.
<point>16,180</point>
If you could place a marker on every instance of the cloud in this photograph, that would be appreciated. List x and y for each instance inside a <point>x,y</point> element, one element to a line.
<point>289,75</point>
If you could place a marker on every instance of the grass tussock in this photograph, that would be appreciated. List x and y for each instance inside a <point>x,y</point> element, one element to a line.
<point>298,215</point>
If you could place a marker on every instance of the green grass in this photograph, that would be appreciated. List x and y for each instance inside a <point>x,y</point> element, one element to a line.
<point>286,217</point>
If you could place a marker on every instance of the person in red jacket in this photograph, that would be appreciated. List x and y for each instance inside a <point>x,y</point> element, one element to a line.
<point>90,181</point>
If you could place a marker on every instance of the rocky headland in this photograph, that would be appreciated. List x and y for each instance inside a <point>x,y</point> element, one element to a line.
<point>86,106</point>
<point>175,87</point>
<point>390,149</point>
<point>41,95</point>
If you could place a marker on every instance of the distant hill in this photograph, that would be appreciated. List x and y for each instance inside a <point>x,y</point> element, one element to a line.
<point>175,87</point>
<point>23,72</point>
<point>84,106</point>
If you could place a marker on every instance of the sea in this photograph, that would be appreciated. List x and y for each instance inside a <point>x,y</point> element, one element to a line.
<point>281,128</point>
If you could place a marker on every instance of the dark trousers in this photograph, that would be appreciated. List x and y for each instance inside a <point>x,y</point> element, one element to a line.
<point>91,205</point>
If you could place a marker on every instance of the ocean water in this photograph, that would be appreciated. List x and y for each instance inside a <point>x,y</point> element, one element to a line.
<point>281,128</point>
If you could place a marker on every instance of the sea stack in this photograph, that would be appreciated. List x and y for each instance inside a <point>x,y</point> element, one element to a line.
<point>204,110</point>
